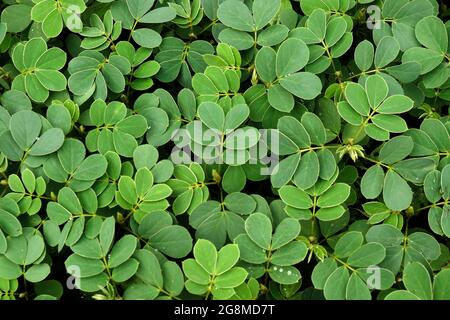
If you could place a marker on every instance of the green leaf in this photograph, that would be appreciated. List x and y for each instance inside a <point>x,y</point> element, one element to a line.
<point>35,249</point>
<point>273,35</point>
<point>327,164</point>
<point>415,170</point>
<point>385,234</point>
<point>290,254</point>
<point>396,104</point>
<point>445,181</point>
<point>149,270</point>
<point>436,130</point>
<point>397,194</point>
<point>174,241</point>
<point>259,229</point>
<point>139,8</point>
<point>9,270</point>
<point>372,182</point>
<point>401,295</point>
<point>391,123</point>
<point>205,254</point>
<point>335,287</point>
<point>145,156</point>
<point>34,48</point>
<point>87,267</point>
<point>417,281</point>
<point>406,72</point>
<point>125,271</point>
<point>286,231</point>
<point>265,63</point>
<point>52,59</point>
<point>280,98</point>
<point>264,12</point>
<point>425,244</point>
<point>431,32</point>
<point>159,15</point>
<point>235,14</point>
<point>173,278</point>
<point>91,168</point>
<point>127,190</point>
<point>357,289</point>
<point>25,127</point>
<point>441,282</point>
<point>240,203</point>
<point>334,196</point>
<point>377,278</point>
<point>317,23</point>
<point>52,80</point>
<point>227,257</point>
<point>396,149</point>
<point>315,128</point>
<point>295,197</point>
<point>249,250</point>
<point>295,131</point>
<point>307,172</point>
<point>285,62</point>
<point>16,17</point>
<point>356,96</point>
<point>48,143</point>
<point>106,235</point>
<point>304,85</point>
<point>285,170</point>
<point>37,272</point>
<point>10,224</point>
<point>428,59</point>
<point>349,114</point>
<point>212,115</point>
<point>348,244</point>
<point>368,254</point>
<point>336,29</point>
<point>231,278</point>
<point>146,38</point>
<point>88,248</point>
<point>234,179</point>
<point>387,50</point>
<point>284,275</point>
<point>376,90</point>
<point>322,271</point>
<point>122,250</point>
<point>364,55</point>
<point>330,214</point>
<point>236,117</point>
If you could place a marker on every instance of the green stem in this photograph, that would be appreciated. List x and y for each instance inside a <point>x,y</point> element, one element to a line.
<point>343,263</point>
<point>208,26</point>
<point>378,163</point>
<point>443,203</point>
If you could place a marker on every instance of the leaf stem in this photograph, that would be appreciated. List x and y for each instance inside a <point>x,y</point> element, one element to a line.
<point>343,263</point>
<point>443,203</point>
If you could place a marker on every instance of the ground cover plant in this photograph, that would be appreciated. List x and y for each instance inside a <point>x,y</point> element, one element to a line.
<point>224,149</point>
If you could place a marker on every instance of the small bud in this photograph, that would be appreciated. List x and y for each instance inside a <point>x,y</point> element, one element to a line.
<point>120,218</point>
<point>216,176</point>
<point>99,297</point>
<point>410,211</point>
<point>254,77</point>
